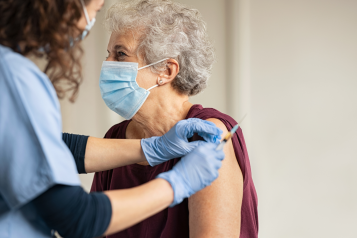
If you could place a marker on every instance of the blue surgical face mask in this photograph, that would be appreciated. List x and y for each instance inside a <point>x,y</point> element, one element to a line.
<point>85,32</point>
<point>119,88</point>
<point>90,23</point>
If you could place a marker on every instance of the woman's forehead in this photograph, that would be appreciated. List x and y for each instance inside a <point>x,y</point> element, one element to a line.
<point>126,39</point>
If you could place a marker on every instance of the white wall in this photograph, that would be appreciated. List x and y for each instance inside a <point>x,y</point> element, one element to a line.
<point>292,66</point>
<point>304,114</point>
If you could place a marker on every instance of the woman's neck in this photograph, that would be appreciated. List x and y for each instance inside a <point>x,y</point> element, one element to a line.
<point>158,115</point>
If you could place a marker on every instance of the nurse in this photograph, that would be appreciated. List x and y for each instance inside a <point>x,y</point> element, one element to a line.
<point>39,188</point>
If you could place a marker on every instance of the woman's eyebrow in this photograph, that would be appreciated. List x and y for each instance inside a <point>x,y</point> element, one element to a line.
<point>119,47</point>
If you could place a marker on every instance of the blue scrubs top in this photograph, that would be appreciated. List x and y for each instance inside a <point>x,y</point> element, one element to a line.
<point>33,156</point>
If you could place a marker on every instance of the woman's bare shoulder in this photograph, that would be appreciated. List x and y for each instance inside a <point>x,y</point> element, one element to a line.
<point>216,210</point>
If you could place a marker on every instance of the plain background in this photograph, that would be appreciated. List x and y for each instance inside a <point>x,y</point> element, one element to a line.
<point>292,66</point>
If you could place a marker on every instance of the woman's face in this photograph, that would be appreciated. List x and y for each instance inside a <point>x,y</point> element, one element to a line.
<point>122,47</point>
<point>93,7</point>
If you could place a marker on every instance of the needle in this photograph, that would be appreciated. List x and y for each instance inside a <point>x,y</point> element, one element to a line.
<point>229,134</point>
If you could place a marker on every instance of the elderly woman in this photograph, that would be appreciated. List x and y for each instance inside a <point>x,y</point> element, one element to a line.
<point>169,45</point>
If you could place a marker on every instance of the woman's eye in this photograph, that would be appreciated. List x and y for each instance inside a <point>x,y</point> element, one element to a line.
<point>120,54</point>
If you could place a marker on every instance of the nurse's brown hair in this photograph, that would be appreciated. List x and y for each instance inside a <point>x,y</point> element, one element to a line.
<point>48,25</point>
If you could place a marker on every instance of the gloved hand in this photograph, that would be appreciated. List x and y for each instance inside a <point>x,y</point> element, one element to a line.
<point>174,143</point>
<point>194,171</point>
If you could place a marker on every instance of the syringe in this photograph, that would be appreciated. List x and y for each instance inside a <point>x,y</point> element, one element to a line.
<point>229,135</point>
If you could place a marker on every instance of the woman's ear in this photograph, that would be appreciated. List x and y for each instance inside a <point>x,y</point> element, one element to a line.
<point>172,69</point>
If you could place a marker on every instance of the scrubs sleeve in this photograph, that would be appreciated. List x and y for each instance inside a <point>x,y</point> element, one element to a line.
<point>77,144</point>
<point>33,156</point>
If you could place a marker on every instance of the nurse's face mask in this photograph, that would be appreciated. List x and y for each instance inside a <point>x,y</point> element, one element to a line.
<point>90,23</point>
<point>85,32</point>
<point>119,88</point>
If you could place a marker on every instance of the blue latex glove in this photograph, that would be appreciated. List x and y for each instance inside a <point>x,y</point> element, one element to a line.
<point>174,144</point>
<point>194,171</point>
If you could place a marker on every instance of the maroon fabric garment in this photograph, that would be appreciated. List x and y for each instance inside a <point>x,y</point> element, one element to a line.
<point>173,222</point>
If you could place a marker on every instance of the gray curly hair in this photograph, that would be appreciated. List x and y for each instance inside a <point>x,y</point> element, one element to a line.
<point>170,30</point>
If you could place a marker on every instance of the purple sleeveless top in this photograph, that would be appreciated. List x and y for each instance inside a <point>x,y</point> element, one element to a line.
<point>174,222</point>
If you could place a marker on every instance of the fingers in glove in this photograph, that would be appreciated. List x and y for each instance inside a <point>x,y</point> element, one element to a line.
<point>198,143</point>
<point>217,154</point>
<point>210,138</point>
<point>204,128</point>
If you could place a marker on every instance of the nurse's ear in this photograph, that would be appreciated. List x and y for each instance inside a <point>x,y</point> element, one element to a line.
<point>172,69</point>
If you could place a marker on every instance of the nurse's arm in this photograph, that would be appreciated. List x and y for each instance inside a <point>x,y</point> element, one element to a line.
<point>106,154</point>
<point>130,206</point>
<point>95,154</point>
<point>74,213</point>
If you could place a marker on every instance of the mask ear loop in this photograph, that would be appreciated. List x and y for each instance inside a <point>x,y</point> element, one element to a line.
<point>85,12</point>
<point>153,64</point>
<point>149,66</point>
<point>152,87</point>
<point>157,85</point>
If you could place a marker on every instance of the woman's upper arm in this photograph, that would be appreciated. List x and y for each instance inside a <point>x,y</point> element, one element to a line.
<point>215,211</point>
